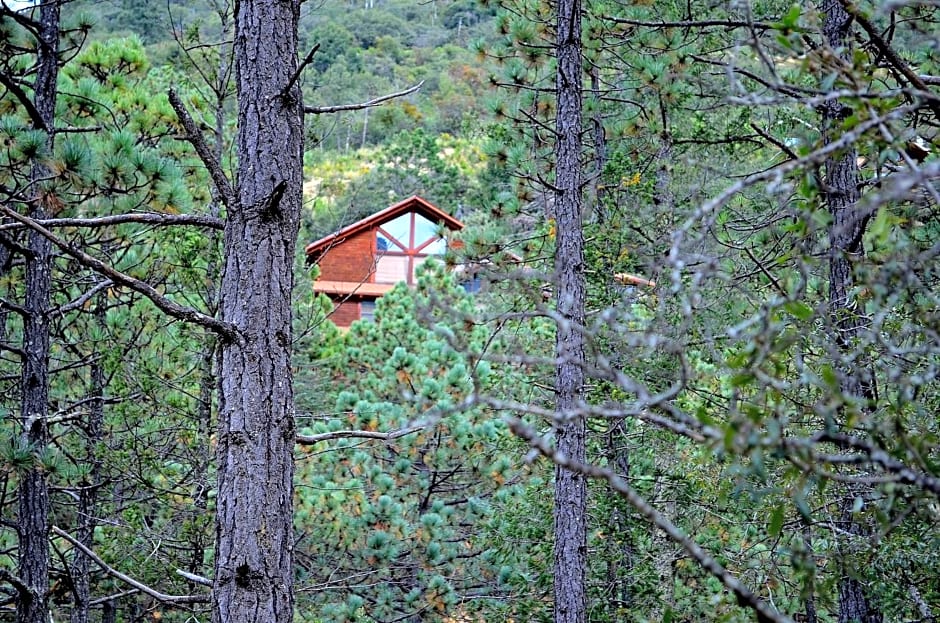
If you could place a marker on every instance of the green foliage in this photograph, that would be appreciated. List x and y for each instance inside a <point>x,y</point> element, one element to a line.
<point>405,516</point>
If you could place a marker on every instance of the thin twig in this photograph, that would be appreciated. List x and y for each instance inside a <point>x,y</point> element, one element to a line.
<point>299,70</point>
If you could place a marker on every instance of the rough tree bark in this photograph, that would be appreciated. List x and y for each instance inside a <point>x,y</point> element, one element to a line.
<point>33,512</point>
<point>570,516</point>
<point>846,246</point>
<point>254,546</point>
<point>88,494</point>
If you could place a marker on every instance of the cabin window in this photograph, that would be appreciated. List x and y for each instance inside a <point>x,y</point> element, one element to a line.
<point>404,243</point>
<point>367,311</point>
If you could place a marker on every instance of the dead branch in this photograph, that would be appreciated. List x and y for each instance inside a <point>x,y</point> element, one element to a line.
<point>225,330</point>
<point>161,597</point>
<point>307,440</point>
<point>746,598</point>
<point>195,138</point>
<point>146,218</point>
<point>324,110</point>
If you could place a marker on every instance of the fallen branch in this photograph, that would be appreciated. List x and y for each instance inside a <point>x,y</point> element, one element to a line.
<point>161,597</point>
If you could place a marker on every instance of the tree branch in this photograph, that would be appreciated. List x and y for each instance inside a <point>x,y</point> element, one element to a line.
<point>299,70</point>
<point>23,98</point>
<point>147,218</point>
<point>26,22</point>
<point>196,579</point>
<point>21,587</point>
<point>162,597</point>
<point>225,330</point>
<point>324,110</point>
<point>885,48</point>
<point>707,23</point>
<point>84,298</point>
<point>308,440</point>
<point>746,598</point>
<point>195,138</point>
<point>13,307</point>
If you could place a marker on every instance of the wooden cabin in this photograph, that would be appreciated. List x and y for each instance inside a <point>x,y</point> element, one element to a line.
<point>363,261</point>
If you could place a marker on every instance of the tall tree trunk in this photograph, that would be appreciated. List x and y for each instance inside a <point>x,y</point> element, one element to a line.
<point>208,380</point>
<point>254,541</point>
<point>618,547</point>
<point>33,527</point>
<point>845,247</point>
<point>599,136</point>
<point>570,512</point>
<point>88,494</point>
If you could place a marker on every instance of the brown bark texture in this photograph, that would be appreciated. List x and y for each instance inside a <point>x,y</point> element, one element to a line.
<point>33,511</point>
<point>254,542</point>
<point>570,517</point>
<point>88,494</point>
<point>846,246</point>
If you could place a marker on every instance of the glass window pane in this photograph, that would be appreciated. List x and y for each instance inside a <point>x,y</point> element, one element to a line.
<point>399,228</point>
<point>438,247</point>
<point>391,269</point>
<point>424,230</point>
<point>367,310</point>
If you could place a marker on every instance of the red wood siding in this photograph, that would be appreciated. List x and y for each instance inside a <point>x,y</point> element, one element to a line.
<point>350,260</point>
<point>345,313</point>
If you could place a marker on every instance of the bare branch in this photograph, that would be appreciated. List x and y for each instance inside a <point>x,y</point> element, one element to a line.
<point>84,298</point>
<point>356,434</point>
<point>225,330</point>
<point>23,98</point>
<point>746,598</point>
<point>21,587</point>
<point>323,110</point>
<point>192,577</point>
<point>162,597</point>
<point>195,138</point>
<point>707,23</point>
<point>19,17</point>
<point>13,307</point>
<point>300,70</point>
<point>147,218</point>
<point>885,49</point>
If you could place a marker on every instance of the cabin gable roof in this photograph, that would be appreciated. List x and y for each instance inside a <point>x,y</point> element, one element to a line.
<point>315,250</point>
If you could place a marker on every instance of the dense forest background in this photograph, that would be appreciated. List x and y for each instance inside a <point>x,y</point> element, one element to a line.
<point>755,306</point>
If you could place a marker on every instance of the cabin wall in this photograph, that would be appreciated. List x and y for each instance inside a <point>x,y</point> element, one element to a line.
<point>345,313</point>
<point>350,260</point>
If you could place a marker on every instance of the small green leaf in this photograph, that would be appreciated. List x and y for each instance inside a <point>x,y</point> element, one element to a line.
<point>799,310</point>
<point>776,521</point>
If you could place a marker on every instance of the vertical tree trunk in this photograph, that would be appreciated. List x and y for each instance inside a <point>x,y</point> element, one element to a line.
<point>599,136</point>
<point>570,489</point>
<point>618,547</point>
<point>254,541</point>
<point>208,380</point>
<point>845,247</point>
<point>33,527</point>
<point>88,495</point>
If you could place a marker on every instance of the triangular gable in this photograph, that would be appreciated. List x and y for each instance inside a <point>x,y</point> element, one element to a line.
<point>412,204</point>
